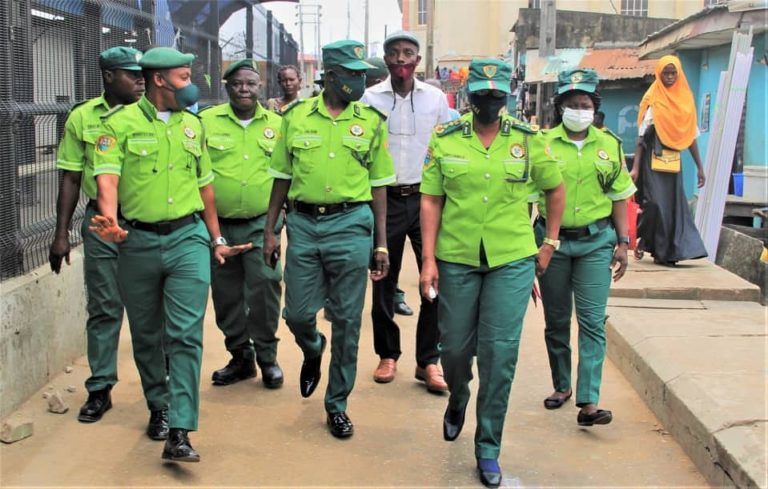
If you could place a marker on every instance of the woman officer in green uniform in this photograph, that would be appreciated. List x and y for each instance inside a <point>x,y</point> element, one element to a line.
<point>595,218</point>
<point>477,238</point>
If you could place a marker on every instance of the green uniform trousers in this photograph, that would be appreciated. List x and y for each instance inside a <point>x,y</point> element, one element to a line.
<point>164,283</point>
<point>579,270</point>
<point>105,309</point>
<point>246,292</point>
<point>481,313</point>
<point>330,253</point>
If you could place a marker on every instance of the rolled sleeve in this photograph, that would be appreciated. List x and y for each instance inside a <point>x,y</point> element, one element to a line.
<point>431,175</point>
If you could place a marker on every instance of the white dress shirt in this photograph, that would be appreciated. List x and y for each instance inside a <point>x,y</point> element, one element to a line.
<point>410,121</point>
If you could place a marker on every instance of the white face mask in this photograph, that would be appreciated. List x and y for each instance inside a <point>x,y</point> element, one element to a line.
<point>578,120</point>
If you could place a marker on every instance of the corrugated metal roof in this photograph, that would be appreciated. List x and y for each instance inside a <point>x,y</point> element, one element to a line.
<point>610,64</point>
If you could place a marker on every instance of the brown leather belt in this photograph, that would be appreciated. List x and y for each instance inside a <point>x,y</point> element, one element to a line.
<point>404,190</point>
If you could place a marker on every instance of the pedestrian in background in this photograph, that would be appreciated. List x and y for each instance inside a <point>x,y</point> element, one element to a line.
<point>123,85</point>
<point>667,126</point>
<point>593,240</point>
<point>151,159</point>
<point>241,135</point>
<point>333,164</point>
<point>479,250</point>
<point>289,79</point>
<point>413,109</point>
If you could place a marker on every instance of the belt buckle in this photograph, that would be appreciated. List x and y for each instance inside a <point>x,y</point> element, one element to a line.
<point>164,227</point>
<point>321,210</point>
<point>569,234</point>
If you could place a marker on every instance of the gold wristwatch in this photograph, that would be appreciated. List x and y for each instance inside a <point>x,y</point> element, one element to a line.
<point>554,243</point>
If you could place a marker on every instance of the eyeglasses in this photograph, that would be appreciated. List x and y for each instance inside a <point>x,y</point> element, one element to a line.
<point>492,93</point>
<point>403,128</point>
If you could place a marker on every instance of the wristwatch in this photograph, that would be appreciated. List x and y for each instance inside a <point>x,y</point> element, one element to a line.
<point>554,243</point>
<point>624,240</point>
<point>220,241</point>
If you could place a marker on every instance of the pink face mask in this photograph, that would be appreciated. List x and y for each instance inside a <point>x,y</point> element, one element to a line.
<point>402,71</point>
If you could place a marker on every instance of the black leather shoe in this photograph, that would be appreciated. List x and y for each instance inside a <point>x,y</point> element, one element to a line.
<point>340,425</point>
<point>178,448</point>
<point>157,428</point>
<point>310,371</point>
<point>403,309</point>
<point>453,422</point>
<point>241,367</point>
<point>600,416</point>
<point>490,472</point>
<point>271,375</point>
<point>98,403</point>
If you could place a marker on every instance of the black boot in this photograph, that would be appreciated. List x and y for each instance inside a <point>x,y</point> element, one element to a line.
<point>241,367</point>
<point>98,403</point>
<point>178,448</point>
<point>271,375</point>
<point>157,428</point>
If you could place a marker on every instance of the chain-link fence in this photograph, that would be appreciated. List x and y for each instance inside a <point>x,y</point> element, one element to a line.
<point>48,62</point>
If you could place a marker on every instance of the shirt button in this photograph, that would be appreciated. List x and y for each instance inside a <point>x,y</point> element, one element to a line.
<point>487,176</point>
<point>335,123</point>
<point>243,183</point>
<point>221,146</point>
<point>331,155</point>
<point>450,170</point>
<point>170,167</point>
<point>485,199</point>
<point>487,157</point>
<point>170,200</point>
<point>578,209</point>
<point>306,143</point>
<point>144,152</point>
<point>245,157</point>
<point>328,188</point>
<point>168,132</point>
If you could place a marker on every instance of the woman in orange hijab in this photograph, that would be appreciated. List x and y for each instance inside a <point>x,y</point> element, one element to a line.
<point>667,125</point>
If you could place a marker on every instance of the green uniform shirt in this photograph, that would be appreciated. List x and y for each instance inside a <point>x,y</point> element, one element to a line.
<point>81,130</point>
<point>594,175</point>
<point>486,191</point>
<point>240,157</point>
<point>161,166</point>
<point>332,160</point>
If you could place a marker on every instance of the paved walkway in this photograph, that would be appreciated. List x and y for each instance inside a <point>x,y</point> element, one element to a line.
<point>252,437</point>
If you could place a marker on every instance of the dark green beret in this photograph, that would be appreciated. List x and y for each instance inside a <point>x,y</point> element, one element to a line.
<point>347,53</point>
<point>245,64</point>
<point>584,79</point>
<point>120,58</point>
<point>164,58</point>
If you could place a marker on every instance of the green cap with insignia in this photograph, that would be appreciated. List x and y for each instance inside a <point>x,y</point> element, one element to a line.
<point>346,53</point>
<point>584,79</point>
<point>163,58</point>
<point>379,69</point>
<point>489,74</point>
<point>243,64</point>
<point>120,58</point>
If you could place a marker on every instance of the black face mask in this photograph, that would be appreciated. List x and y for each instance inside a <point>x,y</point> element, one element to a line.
<point>486,108</point>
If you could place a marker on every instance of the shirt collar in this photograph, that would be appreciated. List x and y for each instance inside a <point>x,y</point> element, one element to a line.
<point>258,114</point>
<point>319,106</point>
<point>386,86</point>
<point>559,132</point>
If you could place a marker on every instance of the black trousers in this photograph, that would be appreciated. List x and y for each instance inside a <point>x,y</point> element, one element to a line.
<point>402,221</point>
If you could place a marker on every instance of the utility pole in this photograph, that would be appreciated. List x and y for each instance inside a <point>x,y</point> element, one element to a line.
<point>301,39</point>
<point>429,65</point>
<point>349,19</point>
<point>367,13</point>
<point>548,30</point>
<point>308,13</point>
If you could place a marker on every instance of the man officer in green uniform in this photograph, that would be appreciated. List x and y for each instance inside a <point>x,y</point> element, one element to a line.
<point>241,135</point>
<point>123,84</point>
<point>152,160</point>
<point>331,160</point>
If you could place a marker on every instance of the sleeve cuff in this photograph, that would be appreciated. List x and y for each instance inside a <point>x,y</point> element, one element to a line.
<point>622,195</point>
<point>107,170</point>
<point>69,165</point>
<point>202,182</point>
<point>436,192</point>
<point>280,175</point>
<point>380,182</point>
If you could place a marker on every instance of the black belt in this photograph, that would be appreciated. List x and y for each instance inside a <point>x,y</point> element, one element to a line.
<point>164,227</point>
<point>315,210</point>
<point>237,220</point>
<point>571,234</point>
<point>404,190</point>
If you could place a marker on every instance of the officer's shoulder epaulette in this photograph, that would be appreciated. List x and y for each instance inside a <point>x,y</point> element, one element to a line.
<point>380,113</point>
<point>524,126</point>
<point>207,107</point>
<point>196,114</point>
<point>114,110</point>
<point>608,131</point>
<point>287,108</point>
<point>78,104</point>
<point>448,127</point>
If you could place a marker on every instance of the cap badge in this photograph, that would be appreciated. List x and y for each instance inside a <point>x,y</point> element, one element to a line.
<point>577,77</point>
<point>489,70</point>
<point>602,154</point>
<point>359,52</point>
<point>517,151</point>
<point>269,133</point>
<point>356,130</point>
<point>189,132</point>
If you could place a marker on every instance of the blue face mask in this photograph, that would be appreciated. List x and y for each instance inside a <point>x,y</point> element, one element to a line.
<point>185,96</point>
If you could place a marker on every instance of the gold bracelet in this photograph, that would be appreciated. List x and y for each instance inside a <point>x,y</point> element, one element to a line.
<point>381,249</point>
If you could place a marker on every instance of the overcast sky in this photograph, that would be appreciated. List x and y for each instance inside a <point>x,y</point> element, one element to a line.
<point>384,17</point>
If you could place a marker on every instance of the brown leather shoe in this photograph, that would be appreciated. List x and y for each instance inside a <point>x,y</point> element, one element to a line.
<point>432,375</point>
<point>385,372</point>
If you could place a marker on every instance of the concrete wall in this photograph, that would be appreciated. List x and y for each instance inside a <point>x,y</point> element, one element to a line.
<point>42,329</point>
